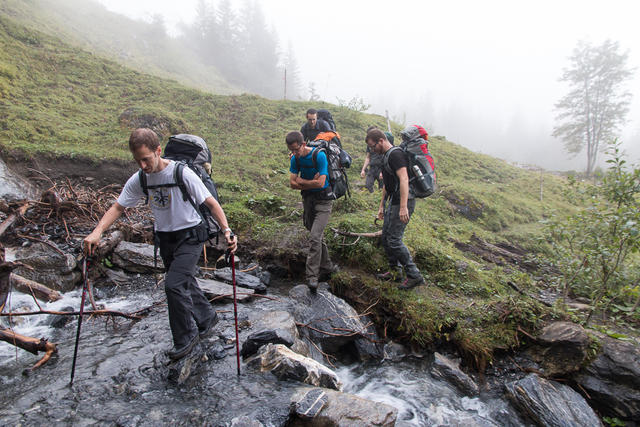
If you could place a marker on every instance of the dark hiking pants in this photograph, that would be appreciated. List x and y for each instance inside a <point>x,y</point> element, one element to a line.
<point>392,234</point>
<point>315,219</point>
<point>189,309</point>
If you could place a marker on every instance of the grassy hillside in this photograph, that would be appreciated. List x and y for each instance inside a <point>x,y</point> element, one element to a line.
<point>90,26</point>
<point>58,101</point>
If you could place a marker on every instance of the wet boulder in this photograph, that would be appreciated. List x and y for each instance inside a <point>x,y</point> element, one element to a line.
<point>243,280</point>
<point>276,327</point>
<point>222,292</point>
<point>333,324</point>
<point>612,380</point>
<point>286,364</point>
<point>447,370</point>
<point>49,265</point>
<point>561,348</point>
<point>323,407</point>
<point>136,258</point>
<point>550,403</point>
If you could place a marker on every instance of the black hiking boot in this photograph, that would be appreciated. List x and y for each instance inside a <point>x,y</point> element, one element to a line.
<point>180,352</point>
<point>206,331</point>
<point>393,275</point>
<point>411,282</point>
<point>312,284</point>
<point>326,275</point>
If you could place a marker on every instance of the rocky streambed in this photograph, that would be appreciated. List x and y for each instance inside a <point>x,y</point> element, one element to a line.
<point>306,359</point>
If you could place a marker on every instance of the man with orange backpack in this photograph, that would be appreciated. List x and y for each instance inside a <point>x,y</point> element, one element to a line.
<point>314,125</point>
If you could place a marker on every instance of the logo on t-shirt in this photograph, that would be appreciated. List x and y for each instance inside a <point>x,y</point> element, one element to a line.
<point>161,198</point>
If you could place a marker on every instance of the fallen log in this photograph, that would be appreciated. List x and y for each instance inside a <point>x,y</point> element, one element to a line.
<point>32,345</point>
<point>36,289</point>
<point>76,313</point>
<point>351,234</point>
<point>13,218</point>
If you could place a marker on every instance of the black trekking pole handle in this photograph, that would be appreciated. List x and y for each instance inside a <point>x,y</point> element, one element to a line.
<point>85,286</point>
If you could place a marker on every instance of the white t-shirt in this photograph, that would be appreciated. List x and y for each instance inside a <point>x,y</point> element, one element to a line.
<point>170,210</point>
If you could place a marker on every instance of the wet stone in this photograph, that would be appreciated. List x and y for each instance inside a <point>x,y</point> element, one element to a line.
<point>245,421</point>
<point>243,280</point>
<point>311,404</point>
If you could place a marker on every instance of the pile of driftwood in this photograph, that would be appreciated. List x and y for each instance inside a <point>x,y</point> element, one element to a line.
<point>65,211</point>
<point>64,214</point>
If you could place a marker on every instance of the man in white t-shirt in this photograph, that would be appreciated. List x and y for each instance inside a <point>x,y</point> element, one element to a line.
<point>190,314</point>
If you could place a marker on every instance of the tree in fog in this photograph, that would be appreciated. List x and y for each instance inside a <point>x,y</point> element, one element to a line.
<point>590,115</point>
<point>293,73</point>
<point>259,52</point>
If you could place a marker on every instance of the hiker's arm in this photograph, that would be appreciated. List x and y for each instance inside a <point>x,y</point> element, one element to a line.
<point>381,208</point>
<point>299,183</point>
<point>366,163</point>
<point>92,240</point>
<point>221,218</point>
<point>403,179</point>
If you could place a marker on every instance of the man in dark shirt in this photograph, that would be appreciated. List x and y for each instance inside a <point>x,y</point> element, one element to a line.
<point>313,126</point>
<point>397,212</point>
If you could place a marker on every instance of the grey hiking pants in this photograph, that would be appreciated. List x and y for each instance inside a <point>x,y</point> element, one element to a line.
<point>188,308</point>
<point>392,234</point>
<point>373,175</point>
<point>315,219</point>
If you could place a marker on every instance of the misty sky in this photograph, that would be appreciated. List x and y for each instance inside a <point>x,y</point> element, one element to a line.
<point>483,73</point>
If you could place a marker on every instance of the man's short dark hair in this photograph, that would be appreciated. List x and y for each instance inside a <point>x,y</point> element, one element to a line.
<point>143,137</point>
<point>312,111</point>
<point>294,137</point>
<point>375,135</point>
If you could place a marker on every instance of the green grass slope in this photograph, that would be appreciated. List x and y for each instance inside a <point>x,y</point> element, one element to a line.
<point>57,101</point>
<point>90,26</point>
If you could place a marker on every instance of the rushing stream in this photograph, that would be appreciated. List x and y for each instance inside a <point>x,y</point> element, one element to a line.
<point>121,374</point>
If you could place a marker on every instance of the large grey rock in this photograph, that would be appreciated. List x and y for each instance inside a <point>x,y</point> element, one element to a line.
<point>562,348</point>
<point>276,327</point>
<point>243,280</point>
<point>222,292</point>
<point>323,407</point>
<point>285,364</point>
<point>136,257</point>
<point>448,370</point>
<point>550,403</point>
<point>332,323</point>
<point>48,265</point>
<point>612,380</point>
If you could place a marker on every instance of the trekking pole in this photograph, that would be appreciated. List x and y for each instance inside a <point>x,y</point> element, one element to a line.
<point>235,304</point>
<point>85,286</point>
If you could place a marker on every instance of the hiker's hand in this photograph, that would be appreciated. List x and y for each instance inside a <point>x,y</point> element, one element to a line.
<point>91,242</point>
<point>404,215</point>
<point>232,241</point>
<point>380,214</point>
<point>362,173</point>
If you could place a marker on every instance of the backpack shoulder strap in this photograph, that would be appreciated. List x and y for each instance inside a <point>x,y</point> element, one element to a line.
<point>143,183</point>
<point>385,159</point>
<point>177,175</point>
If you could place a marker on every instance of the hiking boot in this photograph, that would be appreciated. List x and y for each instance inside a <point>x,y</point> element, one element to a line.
<point>206,331</point>
<point>312,284</point>
<point>327,274</point>
<point>390,276</point>
<point>411,282</point>
<point>179,352</point>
